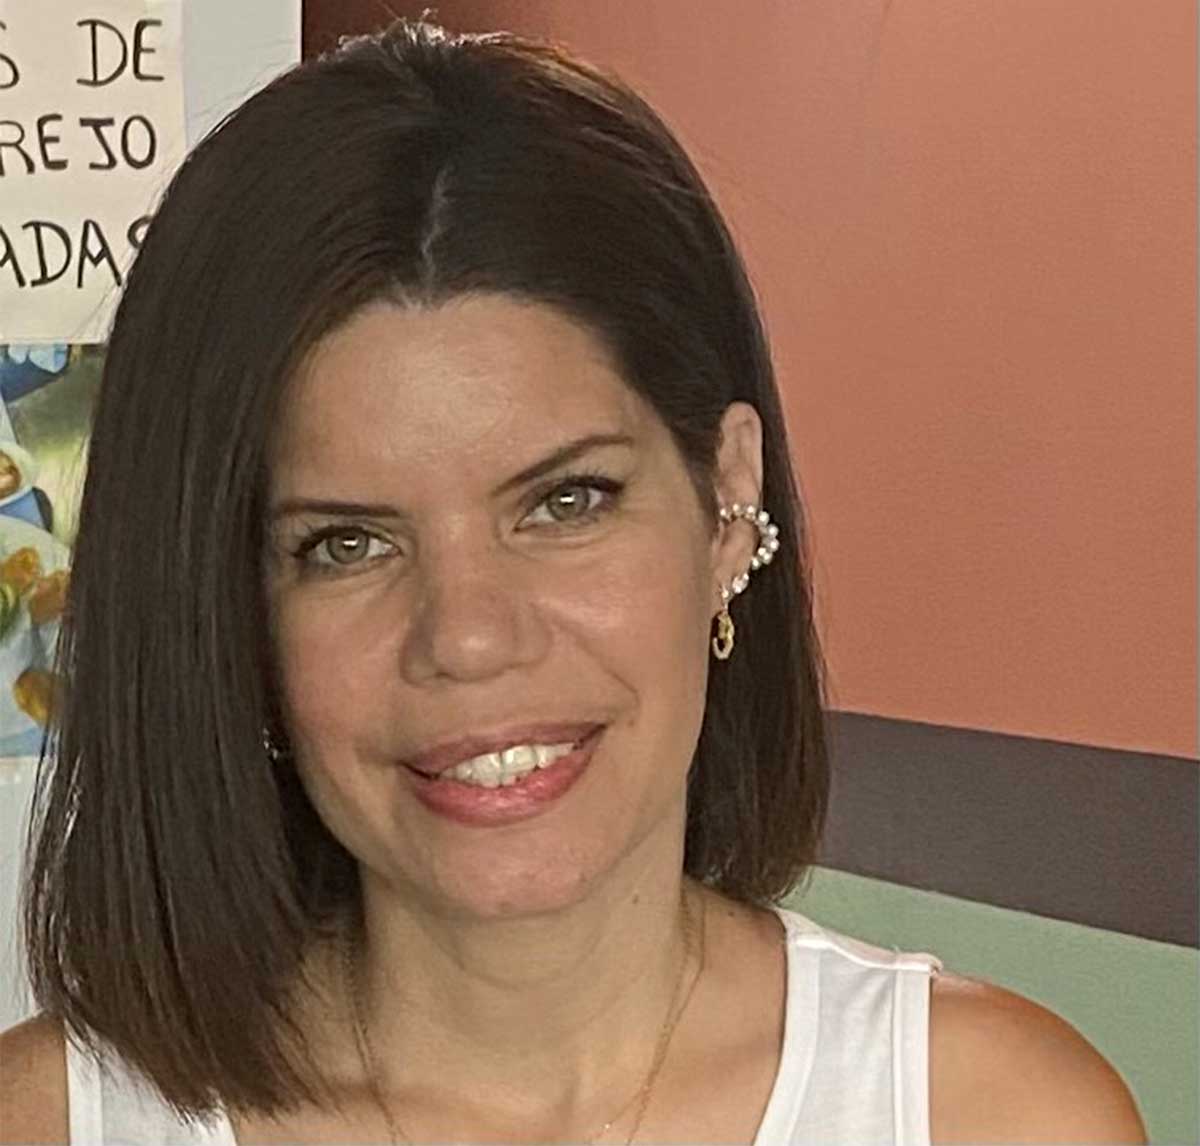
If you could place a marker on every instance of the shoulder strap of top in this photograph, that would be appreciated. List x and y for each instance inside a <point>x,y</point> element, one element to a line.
<point>85,1107</point>
<point>109,1103</point>
<point>910,1056</point>
<point>807,933</point>
<point>887,993</point>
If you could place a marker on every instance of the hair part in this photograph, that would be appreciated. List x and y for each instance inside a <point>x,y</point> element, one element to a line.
<point>176,877</point>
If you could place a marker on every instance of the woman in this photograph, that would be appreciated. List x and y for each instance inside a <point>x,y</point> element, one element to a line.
<point>405,792</point>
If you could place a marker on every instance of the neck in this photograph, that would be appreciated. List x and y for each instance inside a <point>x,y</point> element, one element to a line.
<point>557,1016</point>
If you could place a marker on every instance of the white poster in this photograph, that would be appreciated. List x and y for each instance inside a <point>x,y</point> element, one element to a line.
<point>91,129</point>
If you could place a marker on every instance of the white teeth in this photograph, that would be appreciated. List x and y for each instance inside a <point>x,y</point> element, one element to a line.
<point>487,771</point>
<point>521,757</point>
<point>503,769</point>
<point>545,755</point>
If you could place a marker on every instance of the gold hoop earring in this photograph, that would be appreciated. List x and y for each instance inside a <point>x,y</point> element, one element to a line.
<point>722,643</point>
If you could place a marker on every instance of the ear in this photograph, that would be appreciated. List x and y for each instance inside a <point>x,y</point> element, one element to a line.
<point>739,479</point>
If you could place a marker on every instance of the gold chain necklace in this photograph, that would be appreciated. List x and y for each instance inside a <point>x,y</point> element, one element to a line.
<point>366,1054</point>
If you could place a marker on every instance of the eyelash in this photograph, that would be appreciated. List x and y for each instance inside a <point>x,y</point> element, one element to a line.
<point>587,480</point>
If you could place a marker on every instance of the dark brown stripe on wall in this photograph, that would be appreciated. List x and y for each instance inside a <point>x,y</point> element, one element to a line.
<point>1091,835</point>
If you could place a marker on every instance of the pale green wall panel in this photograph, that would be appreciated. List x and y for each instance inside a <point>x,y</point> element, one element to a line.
<point>1136,1000</point>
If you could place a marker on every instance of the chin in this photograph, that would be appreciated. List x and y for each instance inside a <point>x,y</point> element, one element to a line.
<point>504,887</point>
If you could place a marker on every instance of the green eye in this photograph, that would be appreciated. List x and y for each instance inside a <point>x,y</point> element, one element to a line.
<point>580,498</point>
<point>569,502</point>
<point>341,547</point>
<point>346,548</point>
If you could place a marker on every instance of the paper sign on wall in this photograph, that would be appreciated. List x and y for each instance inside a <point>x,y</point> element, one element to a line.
<point>91,130</point>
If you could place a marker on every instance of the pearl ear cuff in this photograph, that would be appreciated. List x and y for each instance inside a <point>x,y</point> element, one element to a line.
<point>768,546</point>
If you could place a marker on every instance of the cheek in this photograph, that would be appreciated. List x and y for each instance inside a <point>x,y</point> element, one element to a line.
<point>640,604</point>
<point>333,651</point>
<point>642,621</point>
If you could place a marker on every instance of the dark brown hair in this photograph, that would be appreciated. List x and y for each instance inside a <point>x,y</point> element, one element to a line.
<point>176,876</point>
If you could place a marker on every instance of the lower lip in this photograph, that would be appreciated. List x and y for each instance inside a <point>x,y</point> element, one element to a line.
<point>489,807</point>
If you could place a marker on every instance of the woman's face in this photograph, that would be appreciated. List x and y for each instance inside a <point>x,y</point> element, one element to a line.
<point>424,592</point>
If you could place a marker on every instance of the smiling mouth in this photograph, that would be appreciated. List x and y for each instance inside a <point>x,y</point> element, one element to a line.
<point>508,766</point>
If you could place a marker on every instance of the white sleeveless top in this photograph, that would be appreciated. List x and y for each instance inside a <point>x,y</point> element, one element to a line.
<point>854,1067</point>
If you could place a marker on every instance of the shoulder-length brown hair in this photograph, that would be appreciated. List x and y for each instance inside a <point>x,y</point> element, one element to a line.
<point>176,876</point>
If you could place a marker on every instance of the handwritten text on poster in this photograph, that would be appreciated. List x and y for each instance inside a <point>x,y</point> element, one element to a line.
<point>91,129</point>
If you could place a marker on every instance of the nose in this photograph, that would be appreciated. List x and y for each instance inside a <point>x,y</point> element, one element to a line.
<point>474,614</point>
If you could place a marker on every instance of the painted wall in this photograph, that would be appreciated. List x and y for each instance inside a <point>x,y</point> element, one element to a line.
<point>973,231</point>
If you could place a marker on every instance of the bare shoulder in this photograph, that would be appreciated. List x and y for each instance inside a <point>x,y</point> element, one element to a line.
<point>33,1084</point>
<point>1003,1068</point>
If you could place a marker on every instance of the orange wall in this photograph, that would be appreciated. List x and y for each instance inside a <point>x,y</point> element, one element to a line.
<point>973,229</point>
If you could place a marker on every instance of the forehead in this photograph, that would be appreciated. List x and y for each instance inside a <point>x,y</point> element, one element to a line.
<point>475,379</point>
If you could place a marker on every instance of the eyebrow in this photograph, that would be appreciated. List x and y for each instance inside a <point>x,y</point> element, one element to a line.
<point>560,457</point>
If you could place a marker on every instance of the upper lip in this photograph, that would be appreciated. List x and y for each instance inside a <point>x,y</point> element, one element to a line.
<point>440,757</point>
